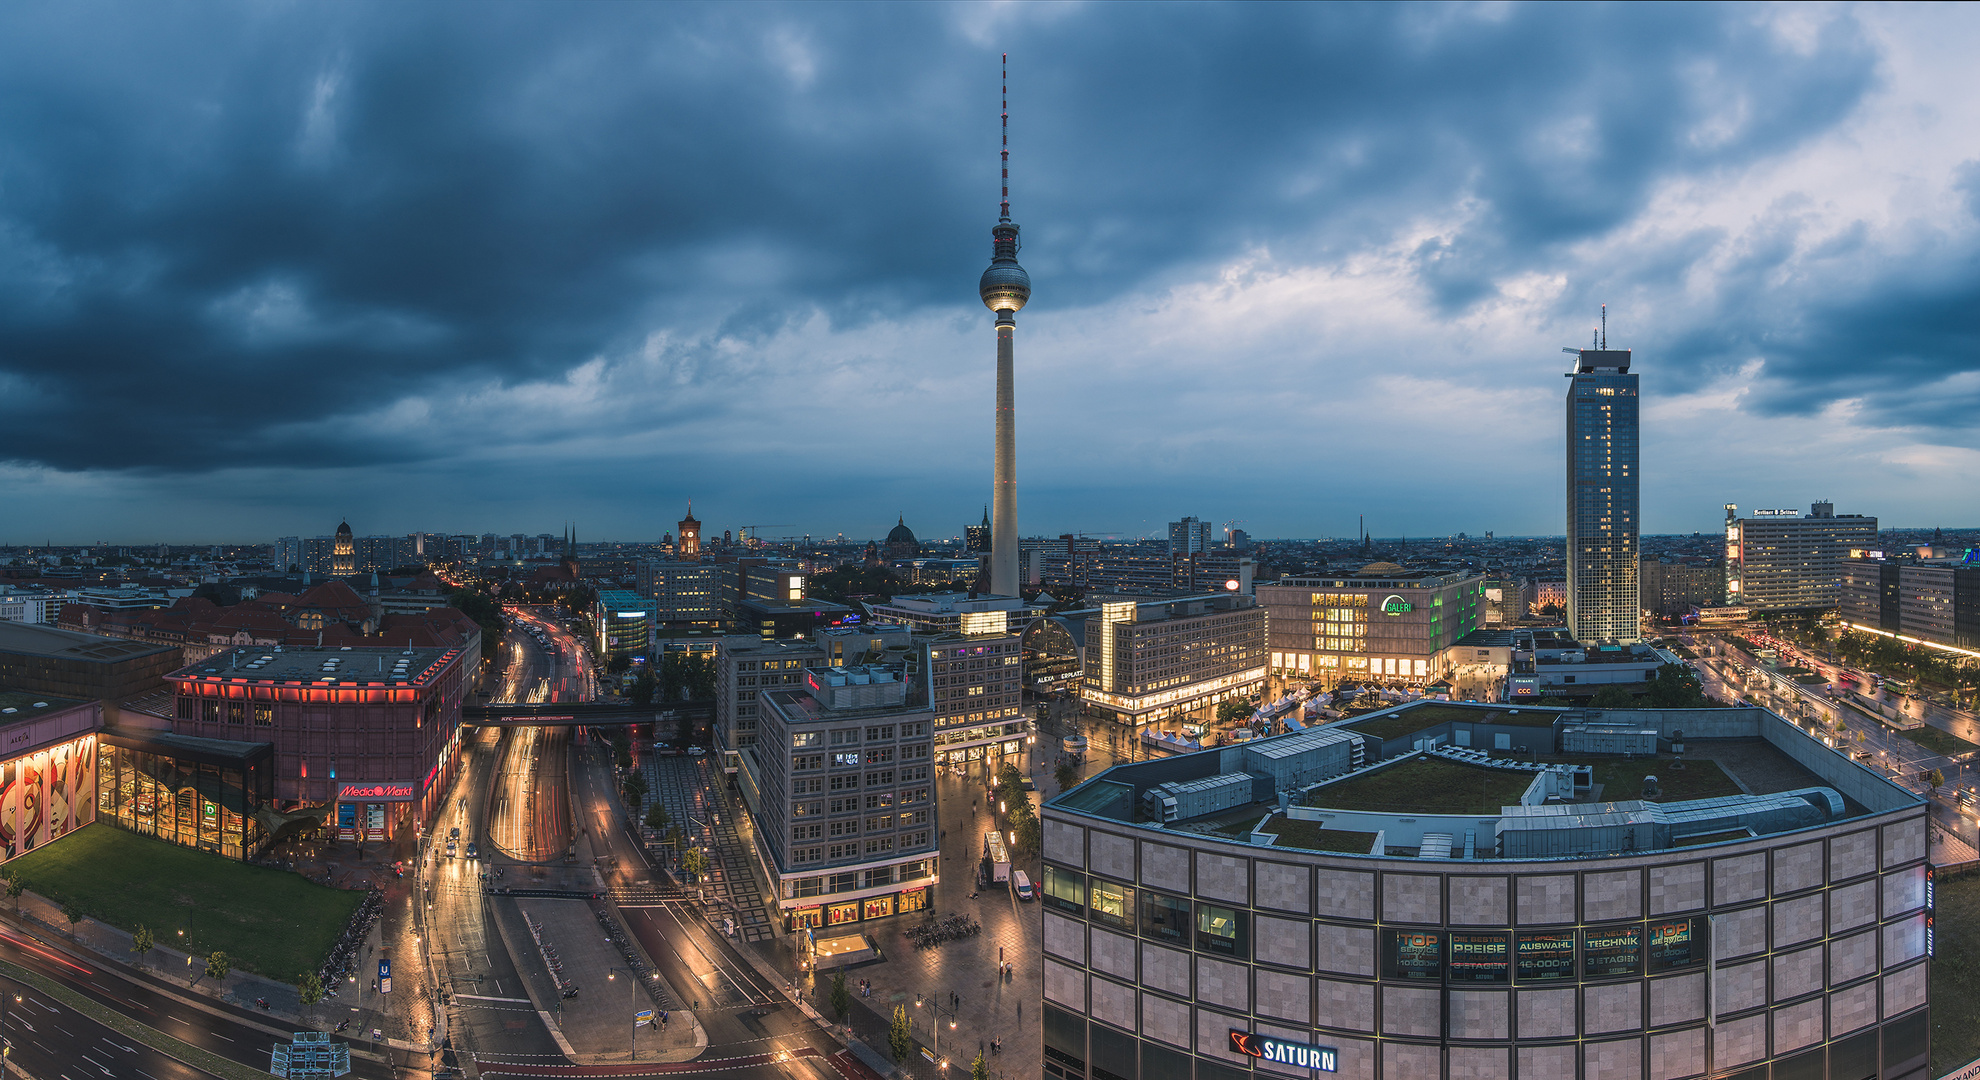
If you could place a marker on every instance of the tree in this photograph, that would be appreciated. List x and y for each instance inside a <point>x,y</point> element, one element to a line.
<point>1612,696</point>
<point>486,611</point>
<point>1676,687</point>
<point>1234,711</point>
<point>1067,775</point>
<point>656,817</point>
<point>217,966</point>
<point>142,942</point>
<point>1009,779</point>
<point>74,914</point>
<point>16,885</point>
<point>618,664</point>
<point>641,690</point>
<point>1934,779</point>
<point>979,1069</point>
<point>309,990</point>
<point>635,786</point>
<point>842,999</point>
<point>695,862</point>
<point>1024,831</point>
<point>900,1034</point>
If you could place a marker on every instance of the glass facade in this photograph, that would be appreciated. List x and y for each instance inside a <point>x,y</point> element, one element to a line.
<point>197,796</point>
<point>1602,499</point>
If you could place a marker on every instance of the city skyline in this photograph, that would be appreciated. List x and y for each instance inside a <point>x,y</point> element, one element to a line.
<point>296,276</point>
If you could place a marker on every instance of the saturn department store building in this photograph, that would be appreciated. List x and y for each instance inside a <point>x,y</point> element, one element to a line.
<point>1444,891</point>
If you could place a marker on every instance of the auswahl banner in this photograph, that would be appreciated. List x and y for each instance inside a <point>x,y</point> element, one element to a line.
<point>1969,1071</point>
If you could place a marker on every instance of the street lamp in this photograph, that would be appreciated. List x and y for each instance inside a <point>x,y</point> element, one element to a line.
<point>6,1047</point>
<point>632,984</point>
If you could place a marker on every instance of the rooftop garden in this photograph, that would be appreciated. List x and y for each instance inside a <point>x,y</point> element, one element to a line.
<point>1426,785</point>
<point>1416,718</point>
<point>1622,778</point>
<point>1312,836</point>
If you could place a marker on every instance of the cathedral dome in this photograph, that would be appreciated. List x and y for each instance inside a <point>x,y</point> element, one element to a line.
<point>902,534</point>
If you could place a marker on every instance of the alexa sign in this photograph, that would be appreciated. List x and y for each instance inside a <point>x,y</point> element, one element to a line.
<point>1298,1055</point>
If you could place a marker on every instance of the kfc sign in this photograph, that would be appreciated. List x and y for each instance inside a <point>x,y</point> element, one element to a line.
<point>389,791</point>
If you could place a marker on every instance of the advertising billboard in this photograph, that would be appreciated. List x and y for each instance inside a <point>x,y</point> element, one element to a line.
<point>1413,954</point>
<point>1612,952</point>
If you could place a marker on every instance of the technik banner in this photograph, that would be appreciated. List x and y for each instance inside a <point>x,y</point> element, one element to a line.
<point>47,794</point>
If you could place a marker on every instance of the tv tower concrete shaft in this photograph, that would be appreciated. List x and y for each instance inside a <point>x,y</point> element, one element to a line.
<point>1005,288</point>
<point>1003,517</point>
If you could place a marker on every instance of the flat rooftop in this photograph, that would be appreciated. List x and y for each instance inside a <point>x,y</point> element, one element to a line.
<point>34,639</point>
<point>28,702</point>
<point>326,666</point>
<point>1519,779</point>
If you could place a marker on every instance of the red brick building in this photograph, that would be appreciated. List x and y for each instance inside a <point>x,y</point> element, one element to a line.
<point>374,731</point>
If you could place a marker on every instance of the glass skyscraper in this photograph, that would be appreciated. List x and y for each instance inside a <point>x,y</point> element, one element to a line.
<point>1603,518</point>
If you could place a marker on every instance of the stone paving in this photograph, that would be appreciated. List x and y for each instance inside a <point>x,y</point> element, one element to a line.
<point>598,1020</point>
<point>691,790</point>
<point>986,1007</point>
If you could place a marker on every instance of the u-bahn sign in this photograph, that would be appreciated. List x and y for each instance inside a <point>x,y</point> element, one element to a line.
<point>1280,1052</point>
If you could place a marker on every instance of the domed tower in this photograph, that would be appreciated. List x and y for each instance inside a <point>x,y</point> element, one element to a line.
<point>901,543</point>
<point>1005,288</point>
<point>343,551</point>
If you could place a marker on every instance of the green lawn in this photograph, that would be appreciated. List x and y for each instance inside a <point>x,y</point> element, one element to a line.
<point>1622,778</point>
<point>1938,741</point>
<point>270,922</point>
<point>1955,986</point>
<point>1426,786</point>
<point>1313,837</point>
<point>1430,714</point>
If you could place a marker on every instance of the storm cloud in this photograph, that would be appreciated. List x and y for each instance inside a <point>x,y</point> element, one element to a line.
<point>498,266</point>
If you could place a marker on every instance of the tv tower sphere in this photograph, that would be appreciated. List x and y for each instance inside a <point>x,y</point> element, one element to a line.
<point>1005,285</point>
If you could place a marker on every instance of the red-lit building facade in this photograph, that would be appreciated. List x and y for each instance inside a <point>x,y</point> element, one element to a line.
<point>374,733</point>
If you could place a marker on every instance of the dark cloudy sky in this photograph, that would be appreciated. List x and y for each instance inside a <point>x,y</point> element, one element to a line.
<point>478,267</point>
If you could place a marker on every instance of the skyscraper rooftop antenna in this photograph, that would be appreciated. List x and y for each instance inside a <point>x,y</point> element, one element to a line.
<point>1004,207</point>
<point>1605,326</point>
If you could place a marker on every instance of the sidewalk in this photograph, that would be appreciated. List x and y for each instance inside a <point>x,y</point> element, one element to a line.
<point>990,1008</point>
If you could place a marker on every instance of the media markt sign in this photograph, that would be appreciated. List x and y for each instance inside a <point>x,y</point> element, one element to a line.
<point>1396,605</point>
<point>1298,1055</point>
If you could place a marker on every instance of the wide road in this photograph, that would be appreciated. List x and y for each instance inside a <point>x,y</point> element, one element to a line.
<point>54,1042</point>
<point>528,804</point>
<point>753,1030</point>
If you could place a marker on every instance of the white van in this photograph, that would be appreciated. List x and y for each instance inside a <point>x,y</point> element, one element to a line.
<point>1021,884</point>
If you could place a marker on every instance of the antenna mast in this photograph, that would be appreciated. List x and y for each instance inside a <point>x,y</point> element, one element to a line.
<point>1004,211</point>
<point>1605,326</point>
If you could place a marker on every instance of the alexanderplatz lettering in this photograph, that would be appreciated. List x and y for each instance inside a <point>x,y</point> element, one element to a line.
<point>1298,1055</point>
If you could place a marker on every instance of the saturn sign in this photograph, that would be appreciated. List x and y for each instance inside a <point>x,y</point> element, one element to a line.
<point>1280,1052</point>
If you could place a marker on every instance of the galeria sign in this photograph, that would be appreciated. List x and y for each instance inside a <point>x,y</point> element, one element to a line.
<point>1298,1055</point>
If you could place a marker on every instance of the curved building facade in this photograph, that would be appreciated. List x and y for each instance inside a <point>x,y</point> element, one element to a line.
<point>1347,901</point>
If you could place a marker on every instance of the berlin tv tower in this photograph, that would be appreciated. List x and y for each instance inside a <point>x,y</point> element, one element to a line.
<point>1005,288</point>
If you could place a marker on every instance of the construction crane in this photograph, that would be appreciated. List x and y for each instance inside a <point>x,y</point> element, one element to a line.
<point>1228,526</point>
<point>749,534</point>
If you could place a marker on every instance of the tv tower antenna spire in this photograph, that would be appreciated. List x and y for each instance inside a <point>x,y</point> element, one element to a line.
<point>1004,208</point>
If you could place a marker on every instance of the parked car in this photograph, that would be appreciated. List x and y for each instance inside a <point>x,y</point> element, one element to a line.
<point>696,751</point>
